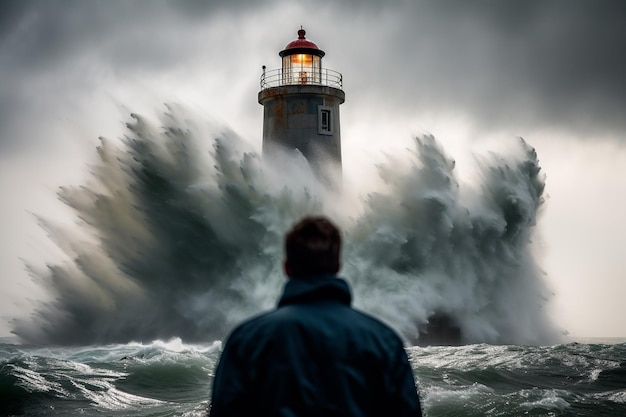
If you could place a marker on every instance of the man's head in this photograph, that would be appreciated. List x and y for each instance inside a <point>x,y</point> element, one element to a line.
<point>312,247</point>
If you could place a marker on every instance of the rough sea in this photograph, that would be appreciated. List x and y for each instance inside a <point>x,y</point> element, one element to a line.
<point>174,379</point>
<point>177,237</point>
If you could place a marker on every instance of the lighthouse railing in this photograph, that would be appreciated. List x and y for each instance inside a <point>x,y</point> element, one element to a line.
<point>278,77</point>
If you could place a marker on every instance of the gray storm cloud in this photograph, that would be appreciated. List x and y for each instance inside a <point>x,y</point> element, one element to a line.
<point>503,63</point>
<point>524,64</point>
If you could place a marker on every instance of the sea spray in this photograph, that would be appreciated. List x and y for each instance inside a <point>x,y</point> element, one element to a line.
<point>423,248</point>
<point>180,235</point>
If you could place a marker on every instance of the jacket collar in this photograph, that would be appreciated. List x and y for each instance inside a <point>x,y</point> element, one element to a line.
<point>299,290</point>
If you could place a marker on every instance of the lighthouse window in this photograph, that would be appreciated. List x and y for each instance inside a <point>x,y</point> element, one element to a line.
<point>325,121</point>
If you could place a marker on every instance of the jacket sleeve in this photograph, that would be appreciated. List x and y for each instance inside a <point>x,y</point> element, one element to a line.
<point>230,396</point>
<point>404,400</point>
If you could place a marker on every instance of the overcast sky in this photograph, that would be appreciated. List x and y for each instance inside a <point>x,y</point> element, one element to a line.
<point>476,74</point>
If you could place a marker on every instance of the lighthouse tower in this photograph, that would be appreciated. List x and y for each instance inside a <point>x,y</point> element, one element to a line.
<point>301,107</point>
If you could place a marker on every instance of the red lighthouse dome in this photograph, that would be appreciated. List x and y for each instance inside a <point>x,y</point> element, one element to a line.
<point>301,45</point>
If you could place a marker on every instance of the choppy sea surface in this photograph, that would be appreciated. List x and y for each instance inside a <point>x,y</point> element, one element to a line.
<point>172,378</point>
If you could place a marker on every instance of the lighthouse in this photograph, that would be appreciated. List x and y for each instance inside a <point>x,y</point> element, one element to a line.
<point>301,107</point>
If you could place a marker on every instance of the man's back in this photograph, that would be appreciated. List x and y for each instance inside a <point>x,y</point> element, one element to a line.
<point>314,356</point>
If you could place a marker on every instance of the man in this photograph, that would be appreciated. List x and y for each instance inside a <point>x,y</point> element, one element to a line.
<point>314,355</point>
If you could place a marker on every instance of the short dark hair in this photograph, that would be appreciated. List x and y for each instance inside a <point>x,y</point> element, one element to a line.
<point>312,247</point>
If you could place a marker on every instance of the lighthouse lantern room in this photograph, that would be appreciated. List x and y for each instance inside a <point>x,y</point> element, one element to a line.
<point>302,61</point>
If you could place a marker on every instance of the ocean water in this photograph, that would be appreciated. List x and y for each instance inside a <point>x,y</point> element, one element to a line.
<point>174,379</point>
